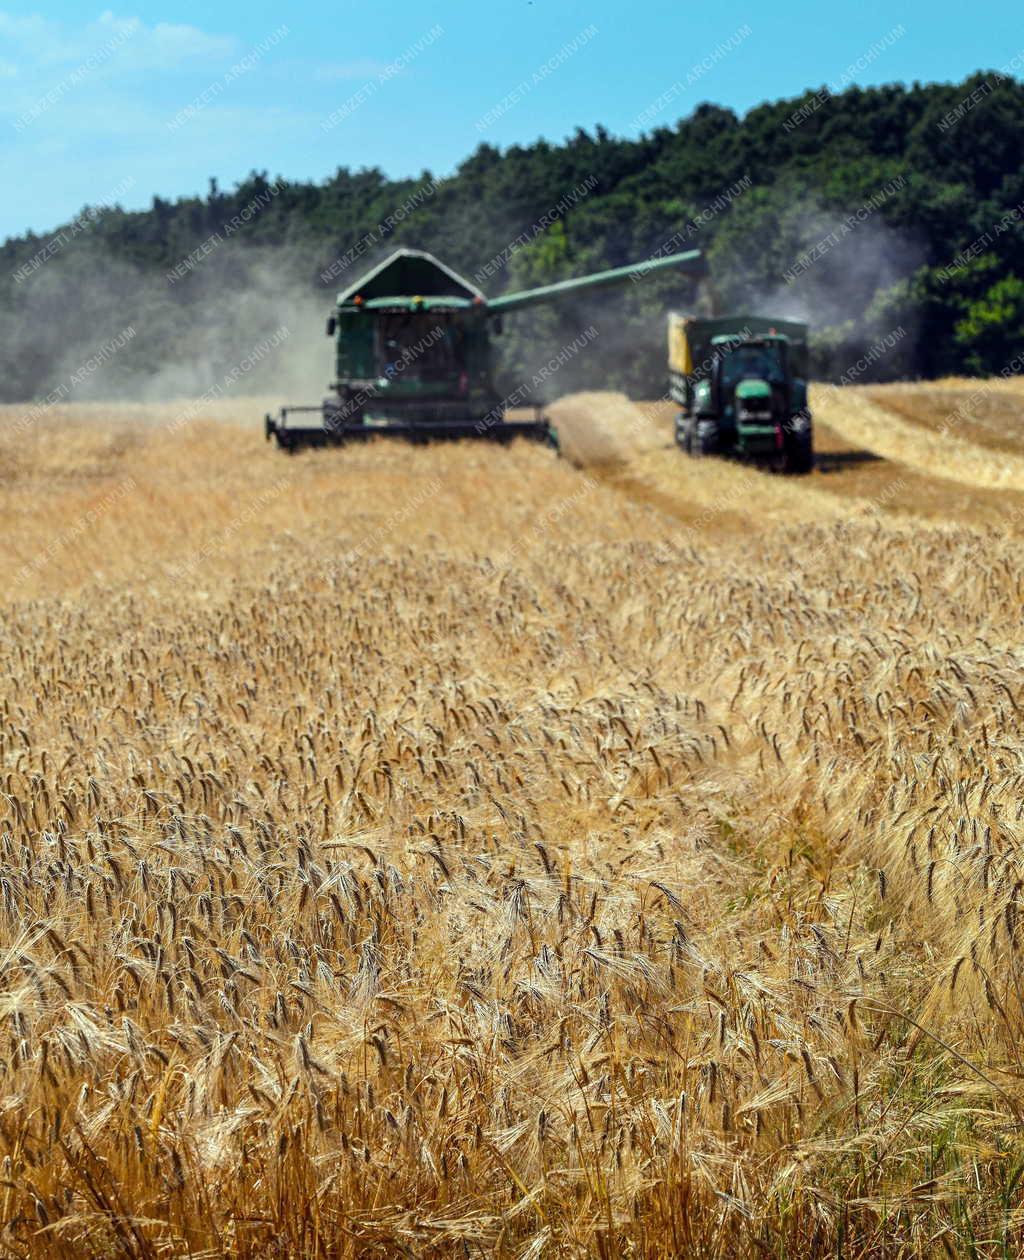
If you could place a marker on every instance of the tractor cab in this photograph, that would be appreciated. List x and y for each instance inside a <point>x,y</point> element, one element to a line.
<point>761,358</point>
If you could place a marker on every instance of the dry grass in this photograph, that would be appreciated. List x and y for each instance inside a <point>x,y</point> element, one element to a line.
<point>451,855</point>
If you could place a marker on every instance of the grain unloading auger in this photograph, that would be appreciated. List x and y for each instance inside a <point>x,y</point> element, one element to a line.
<point>414,357</point>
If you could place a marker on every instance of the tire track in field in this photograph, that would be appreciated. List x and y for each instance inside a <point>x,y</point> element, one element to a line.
<point>852,414</point>
<point>630,446</point>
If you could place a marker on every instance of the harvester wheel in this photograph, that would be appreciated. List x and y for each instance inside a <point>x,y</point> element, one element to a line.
<point>683,434</point>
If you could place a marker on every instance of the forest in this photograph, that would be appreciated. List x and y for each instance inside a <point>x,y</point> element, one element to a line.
<point>889,218</point>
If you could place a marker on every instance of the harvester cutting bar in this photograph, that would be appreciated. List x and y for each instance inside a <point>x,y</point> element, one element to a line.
<point>291,436</point>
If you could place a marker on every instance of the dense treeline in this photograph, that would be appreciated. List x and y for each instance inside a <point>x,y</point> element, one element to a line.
<point>895,208</point>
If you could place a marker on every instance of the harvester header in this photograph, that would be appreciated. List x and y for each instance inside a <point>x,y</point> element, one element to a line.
<point>414,359</point>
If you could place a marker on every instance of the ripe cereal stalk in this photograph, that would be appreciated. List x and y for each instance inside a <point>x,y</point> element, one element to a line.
<point>652,889</point>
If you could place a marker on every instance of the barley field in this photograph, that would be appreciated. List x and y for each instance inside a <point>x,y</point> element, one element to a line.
<point>466,851</point>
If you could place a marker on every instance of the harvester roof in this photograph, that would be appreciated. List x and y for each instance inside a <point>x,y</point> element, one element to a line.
<point>411,279</point>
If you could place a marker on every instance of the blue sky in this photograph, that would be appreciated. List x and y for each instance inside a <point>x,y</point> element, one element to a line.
<point>154,98</point>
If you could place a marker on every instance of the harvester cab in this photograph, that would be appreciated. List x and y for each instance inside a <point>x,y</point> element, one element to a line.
<point>414,359</point>
<point>741,383</point>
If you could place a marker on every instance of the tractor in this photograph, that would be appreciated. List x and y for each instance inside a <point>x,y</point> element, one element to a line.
<point>741,383</point>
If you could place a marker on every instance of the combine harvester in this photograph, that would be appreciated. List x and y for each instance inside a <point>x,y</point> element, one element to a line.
<point>414,356</point>
<point>742,384</point>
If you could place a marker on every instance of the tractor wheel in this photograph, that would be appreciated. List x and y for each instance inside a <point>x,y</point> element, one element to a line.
<point>683,435</point>
<point>798,458</point>
<point>705,439</point>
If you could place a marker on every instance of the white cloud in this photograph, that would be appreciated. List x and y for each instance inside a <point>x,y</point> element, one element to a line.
<point>30,27</point>
<point>37,43</point>
<point>35,39</point>
<point>179,43</point>
<point>52,64</point>
<point>93,99</point>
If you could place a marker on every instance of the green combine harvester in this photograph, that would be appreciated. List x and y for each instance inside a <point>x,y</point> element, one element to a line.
<point>414,356</point>
<point>742,384</point>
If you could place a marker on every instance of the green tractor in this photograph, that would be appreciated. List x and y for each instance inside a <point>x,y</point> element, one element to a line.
<point>414,356</point>
<point>741,383</point>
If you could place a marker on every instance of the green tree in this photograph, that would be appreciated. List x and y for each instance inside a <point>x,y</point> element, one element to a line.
<point>992,330</point>
<point>938,254</point>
